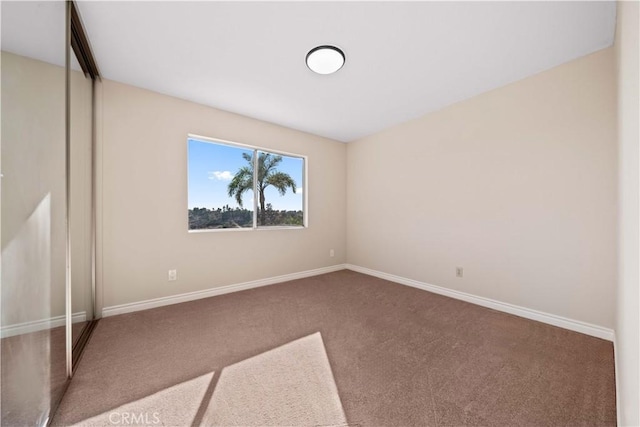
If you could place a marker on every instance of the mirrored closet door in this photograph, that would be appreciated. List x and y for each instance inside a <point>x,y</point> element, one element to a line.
<point>46,205</point>
<point>81,202</point>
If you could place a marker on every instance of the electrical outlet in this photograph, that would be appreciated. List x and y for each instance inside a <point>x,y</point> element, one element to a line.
<point>331,253</point>
<point>459,272</point>
<point>173,275</point>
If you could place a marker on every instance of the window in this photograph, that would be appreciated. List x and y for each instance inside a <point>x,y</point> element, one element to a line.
<point>224,177</point>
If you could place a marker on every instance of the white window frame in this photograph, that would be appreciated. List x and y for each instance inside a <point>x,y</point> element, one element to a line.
<point>256,149</point>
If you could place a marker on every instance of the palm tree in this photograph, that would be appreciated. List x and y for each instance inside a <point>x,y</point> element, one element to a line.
<point>267,175</point>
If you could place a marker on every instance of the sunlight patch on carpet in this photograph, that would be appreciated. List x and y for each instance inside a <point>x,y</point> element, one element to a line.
<point>173,406</point>
<point>289,385</point>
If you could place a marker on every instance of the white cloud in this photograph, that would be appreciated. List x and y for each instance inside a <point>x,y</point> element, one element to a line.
<point>221,175</point>
<point>299,190</point>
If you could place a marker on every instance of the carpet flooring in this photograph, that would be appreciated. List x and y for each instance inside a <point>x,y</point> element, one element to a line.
<point>399,357</point>
<point>245,394</point>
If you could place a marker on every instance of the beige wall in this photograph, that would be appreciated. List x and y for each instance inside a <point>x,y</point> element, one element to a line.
<point>627,328</point>
<point>517,186</point>
<point>143,200</point>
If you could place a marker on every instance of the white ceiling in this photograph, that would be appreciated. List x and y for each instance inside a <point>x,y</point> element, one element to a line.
<point>404,59</point>
<point>36,29</point>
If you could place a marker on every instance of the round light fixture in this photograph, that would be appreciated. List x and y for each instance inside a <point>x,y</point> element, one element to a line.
<point>325,59</point>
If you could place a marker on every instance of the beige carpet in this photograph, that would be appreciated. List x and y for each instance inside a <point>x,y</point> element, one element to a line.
<point>399,356</point>
<point>173,406</point>
<point>291,385</point>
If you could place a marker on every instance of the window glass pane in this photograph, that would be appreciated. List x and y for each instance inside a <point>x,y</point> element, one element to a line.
<point>220,186</point>
<point>280,188</point>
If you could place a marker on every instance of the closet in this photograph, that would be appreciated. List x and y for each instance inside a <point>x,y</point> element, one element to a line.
<point>47,205</point>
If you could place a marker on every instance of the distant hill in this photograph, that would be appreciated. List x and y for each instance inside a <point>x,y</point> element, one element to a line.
<point>225,217</point>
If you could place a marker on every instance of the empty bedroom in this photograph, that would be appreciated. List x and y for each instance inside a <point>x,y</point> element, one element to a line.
<point>332,213</point>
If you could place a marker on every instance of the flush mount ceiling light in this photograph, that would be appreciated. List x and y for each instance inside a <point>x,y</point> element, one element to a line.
<point>325,59</point>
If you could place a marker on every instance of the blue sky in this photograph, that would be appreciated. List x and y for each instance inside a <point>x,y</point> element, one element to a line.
<point>212,167</point>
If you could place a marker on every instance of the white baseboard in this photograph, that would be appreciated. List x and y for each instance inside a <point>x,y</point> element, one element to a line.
<point>191,296</point>
<point>40,325</point>
<point>527,313</point>
<point>551,319</point>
